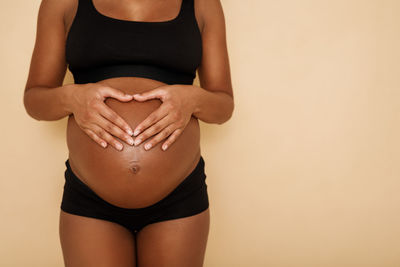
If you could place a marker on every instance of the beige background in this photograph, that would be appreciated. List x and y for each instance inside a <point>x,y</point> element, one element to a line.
<point>306,173</point>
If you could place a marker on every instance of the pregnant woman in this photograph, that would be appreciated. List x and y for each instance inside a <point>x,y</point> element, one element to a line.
<point>135,192</point>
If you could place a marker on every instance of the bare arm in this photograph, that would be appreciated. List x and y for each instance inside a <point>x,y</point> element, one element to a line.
<point>45,98</point>
<point>214,99</point>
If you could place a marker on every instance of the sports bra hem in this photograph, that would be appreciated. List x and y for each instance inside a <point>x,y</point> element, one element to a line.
<point>93,75</point>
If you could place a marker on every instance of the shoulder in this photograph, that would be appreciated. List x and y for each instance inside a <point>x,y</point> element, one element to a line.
<point>51,11</point>
<point>54,7</point>
<point>209,13</point>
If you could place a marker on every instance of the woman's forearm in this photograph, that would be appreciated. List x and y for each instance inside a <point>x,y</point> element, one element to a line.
<point>48,104</point>
<point>212,106</point>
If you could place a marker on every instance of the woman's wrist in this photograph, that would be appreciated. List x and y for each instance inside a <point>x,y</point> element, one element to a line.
<point>196,98</point>
<point>211,106</point>
<point>68,97</point>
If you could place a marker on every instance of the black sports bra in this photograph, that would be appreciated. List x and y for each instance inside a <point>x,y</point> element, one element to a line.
<point>100,47</point>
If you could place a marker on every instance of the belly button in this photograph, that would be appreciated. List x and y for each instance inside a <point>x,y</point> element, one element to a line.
<point>135,168</point>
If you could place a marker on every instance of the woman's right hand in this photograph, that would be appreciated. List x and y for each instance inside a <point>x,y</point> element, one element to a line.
<point>98,120</point>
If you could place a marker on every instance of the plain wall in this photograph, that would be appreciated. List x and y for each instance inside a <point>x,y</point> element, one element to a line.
<point>306,172</point>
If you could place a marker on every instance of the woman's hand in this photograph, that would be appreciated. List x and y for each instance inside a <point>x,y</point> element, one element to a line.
<point>96,119</point>
<point>170,119</point>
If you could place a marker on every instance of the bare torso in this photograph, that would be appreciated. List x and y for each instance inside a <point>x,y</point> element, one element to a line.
<point>133,177</point>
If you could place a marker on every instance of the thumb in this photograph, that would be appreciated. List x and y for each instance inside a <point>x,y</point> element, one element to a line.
<point>116,93</point>
<point>154,93</point>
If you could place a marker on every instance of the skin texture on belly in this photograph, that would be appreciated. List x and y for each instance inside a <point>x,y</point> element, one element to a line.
<point>133,177</point>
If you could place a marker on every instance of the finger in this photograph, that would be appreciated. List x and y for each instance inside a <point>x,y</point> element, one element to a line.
<point>155,116</point>
<point>158,92</point>
<point>95,138</point>
<point>153,129</point>
<point>106,136</point>
<point>107,91</point>
<point>113,129</point>
<point>172,138</point>
<point>112,116</point>
<point>160,136</point>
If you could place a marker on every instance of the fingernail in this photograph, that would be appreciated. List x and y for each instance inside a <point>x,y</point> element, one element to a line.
<point>130,141</point>
<point>129,131</point>
<point>119,146</point>
<point>164,147</point>
<point>137,141</point>
<point>103,144</point>
<point>136,132</point>
<point>147,146</point>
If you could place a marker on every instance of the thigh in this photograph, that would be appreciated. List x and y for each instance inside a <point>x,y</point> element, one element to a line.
<point>88,242</point>
<point>178,242</point>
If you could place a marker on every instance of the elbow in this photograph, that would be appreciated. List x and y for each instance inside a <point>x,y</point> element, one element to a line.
<point>229,112</point>
<point>25,101</point>
<point>27,106</point>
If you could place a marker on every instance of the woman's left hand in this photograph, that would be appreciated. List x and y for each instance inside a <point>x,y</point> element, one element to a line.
<point>168,120</point>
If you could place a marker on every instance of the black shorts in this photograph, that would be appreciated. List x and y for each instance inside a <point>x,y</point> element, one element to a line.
<point>190,197</point>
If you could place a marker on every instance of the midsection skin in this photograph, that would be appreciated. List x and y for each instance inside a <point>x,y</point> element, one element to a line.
<point>110,173</point>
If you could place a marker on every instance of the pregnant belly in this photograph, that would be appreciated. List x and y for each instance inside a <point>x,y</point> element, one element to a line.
<point>133,177</point>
